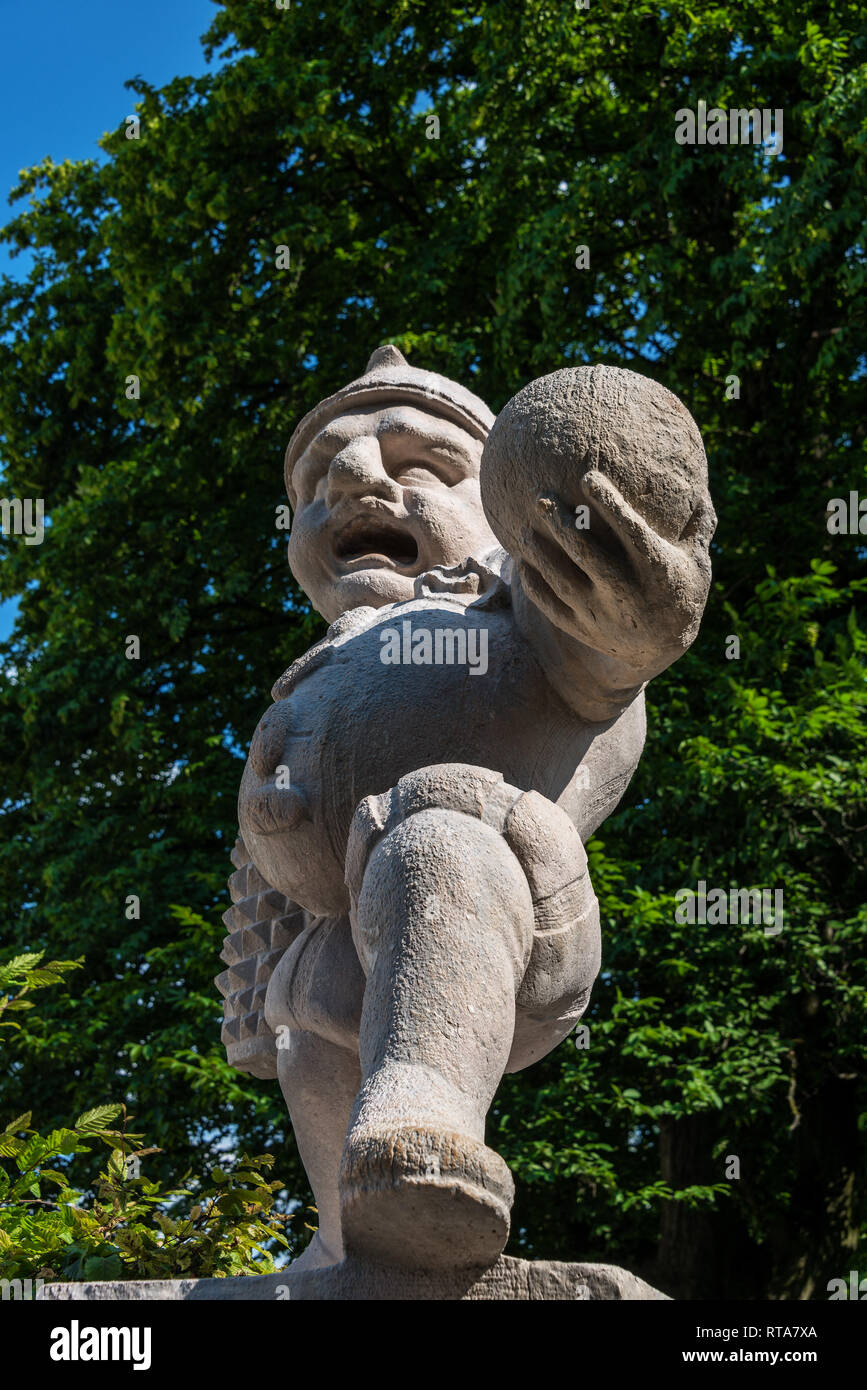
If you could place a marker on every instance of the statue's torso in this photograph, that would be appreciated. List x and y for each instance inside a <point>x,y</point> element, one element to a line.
<point>359,712</point>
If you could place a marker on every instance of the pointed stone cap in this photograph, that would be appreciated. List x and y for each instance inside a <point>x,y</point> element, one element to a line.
<point>387,378</point>
<point>387,356</point>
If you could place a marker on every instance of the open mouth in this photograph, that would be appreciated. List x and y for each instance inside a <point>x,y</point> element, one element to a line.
<point>373,539</point>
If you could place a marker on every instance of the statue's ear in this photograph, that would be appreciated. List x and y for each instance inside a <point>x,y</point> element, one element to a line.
<point>287,482</point>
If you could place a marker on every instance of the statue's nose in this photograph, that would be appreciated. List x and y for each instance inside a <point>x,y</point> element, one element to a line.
<point>268,746</point>
<point>358,471</point>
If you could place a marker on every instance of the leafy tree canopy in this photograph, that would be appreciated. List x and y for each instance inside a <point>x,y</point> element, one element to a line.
<point>556,130</point>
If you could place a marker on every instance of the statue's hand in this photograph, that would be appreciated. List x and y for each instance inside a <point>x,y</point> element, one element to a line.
<point>617,586</point>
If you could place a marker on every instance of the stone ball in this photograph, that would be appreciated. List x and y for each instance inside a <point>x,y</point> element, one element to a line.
<point>634,431</point>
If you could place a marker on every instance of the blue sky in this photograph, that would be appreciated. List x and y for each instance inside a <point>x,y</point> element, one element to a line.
<point>62,70</point>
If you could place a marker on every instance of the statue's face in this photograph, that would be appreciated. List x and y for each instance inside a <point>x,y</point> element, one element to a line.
<point>380,496</point>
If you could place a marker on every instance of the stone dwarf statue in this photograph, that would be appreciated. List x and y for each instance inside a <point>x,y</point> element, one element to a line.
<point>413,914</point>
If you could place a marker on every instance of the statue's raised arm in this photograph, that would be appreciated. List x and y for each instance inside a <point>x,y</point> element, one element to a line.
<point>595,481</point>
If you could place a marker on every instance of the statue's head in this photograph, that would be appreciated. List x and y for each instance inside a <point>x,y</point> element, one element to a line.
<point>383,478</point>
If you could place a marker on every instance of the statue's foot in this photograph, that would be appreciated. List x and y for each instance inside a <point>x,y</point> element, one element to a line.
<point>423,1198</point>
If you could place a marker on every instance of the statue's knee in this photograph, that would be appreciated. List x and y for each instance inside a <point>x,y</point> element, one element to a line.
<point>445,874</point>
<point>454,831</point>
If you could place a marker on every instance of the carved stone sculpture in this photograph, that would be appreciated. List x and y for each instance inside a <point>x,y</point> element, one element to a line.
<point>413,916</point>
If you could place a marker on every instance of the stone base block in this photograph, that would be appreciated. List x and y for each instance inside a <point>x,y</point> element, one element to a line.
<point>360,1280</point>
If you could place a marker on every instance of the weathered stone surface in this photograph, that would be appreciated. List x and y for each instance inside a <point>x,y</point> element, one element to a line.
<point>412,913</point>
<point>362,1280</point>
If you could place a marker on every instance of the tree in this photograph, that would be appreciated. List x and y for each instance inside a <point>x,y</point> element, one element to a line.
<point>272,223</point>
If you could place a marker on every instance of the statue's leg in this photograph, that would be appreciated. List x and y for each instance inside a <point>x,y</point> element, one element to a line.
<point>319,1081</point>
<point>444,925</point>
<point>443,919</point>
<point>314,1005</point>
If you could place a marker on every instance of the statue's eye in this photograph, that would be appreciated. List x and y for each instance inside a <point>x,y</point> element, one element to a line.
<point>421,471</point>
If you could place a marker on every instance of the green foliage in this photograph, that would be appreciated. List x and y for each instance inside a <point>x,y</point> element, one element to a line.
<point>24,973</point>
<point>120,776</point>
<point>131,1227</point>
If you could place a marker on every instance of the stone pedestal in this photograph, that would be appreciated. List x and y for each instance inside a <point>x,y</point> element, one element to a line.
<point>508,1279</point>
